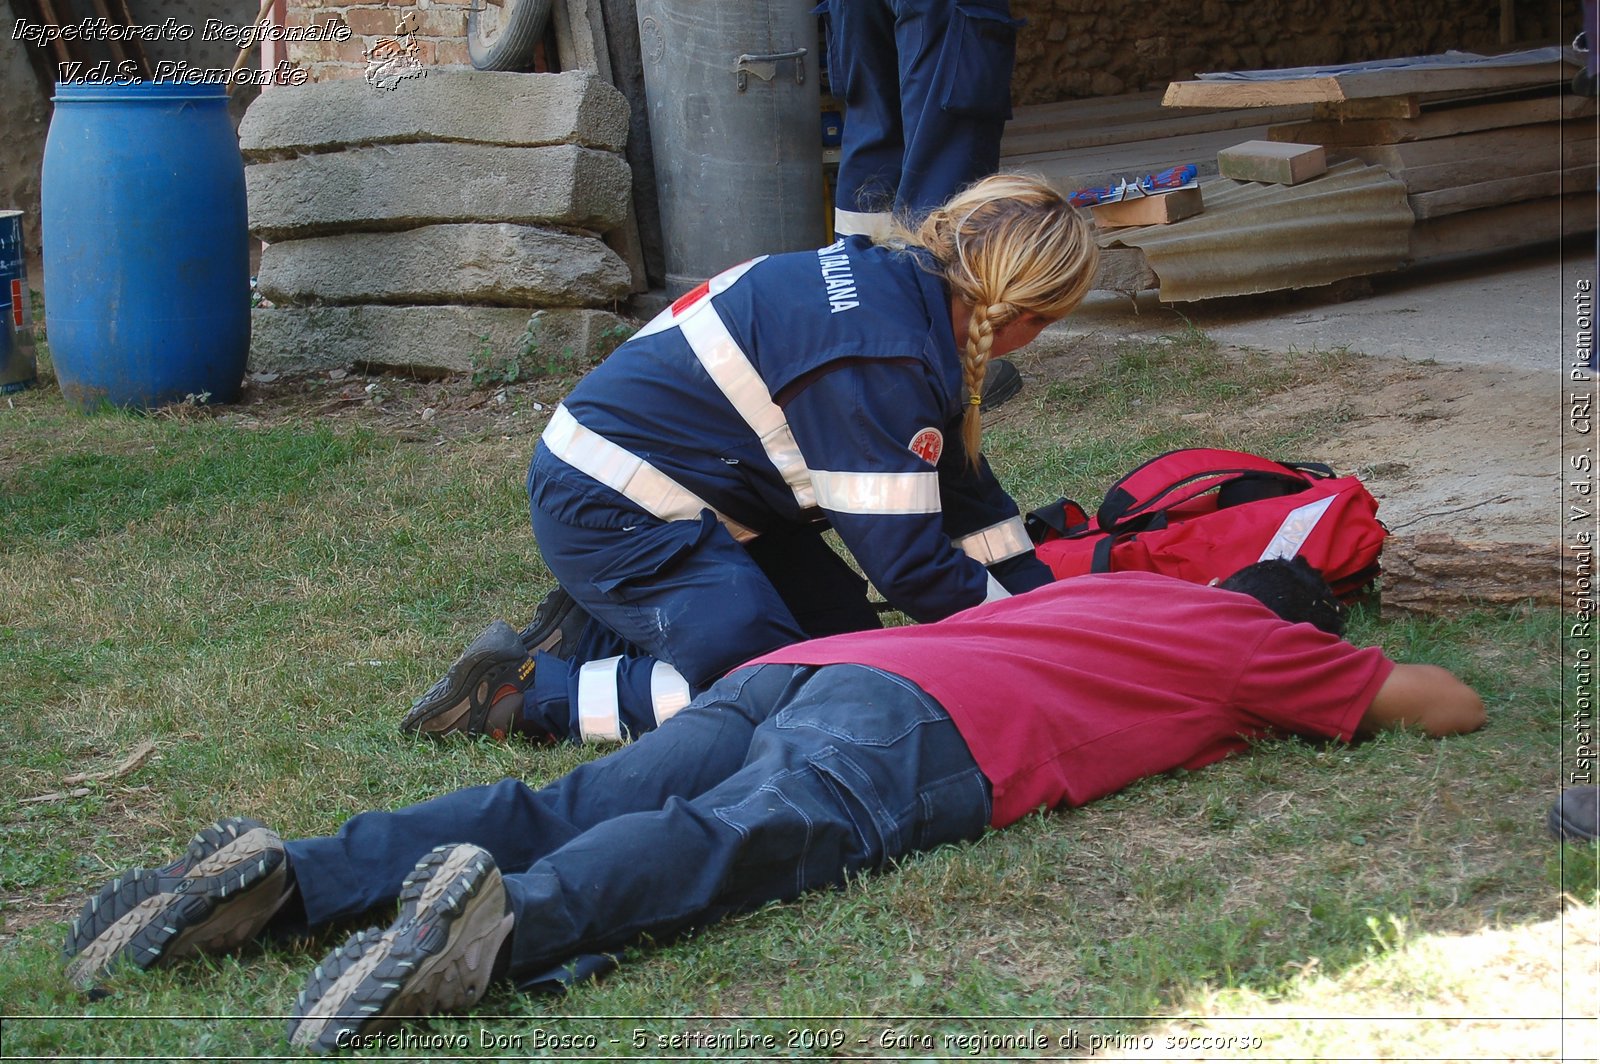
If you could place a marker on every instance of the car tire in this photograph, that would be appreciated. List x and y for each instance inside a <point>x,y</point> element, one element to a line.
<point>501,35</point>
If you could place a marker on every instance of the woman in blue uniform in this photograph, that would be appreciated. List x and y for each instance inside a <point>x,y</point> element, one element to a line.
<point>679,493</point>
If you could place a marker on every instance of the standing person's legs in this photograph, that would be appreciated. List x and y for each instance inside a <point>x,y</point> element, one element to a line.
<point>864,72</point>
<point>956,59</point>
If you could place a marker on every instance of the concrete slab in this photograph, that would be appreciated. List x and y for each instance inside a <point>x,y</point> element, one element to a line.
<point>524,110</point>
<point>402,186</point>
<point>498,342</point>
<point>476,264</point>
<point>1486,312</point>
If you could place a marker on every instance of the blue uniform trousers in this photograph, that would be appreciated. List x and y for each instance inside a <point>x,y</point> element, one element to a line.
<point>780,779</point>
<point>682,592</point>
<point>927,91</point>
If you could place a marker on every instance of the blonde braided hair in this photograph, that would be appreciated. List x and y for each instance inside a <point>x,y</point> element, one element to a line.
<point>1008,245</point>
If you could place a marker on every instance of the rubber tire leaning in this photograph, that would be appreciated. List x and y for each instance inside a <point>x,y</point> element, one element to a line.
<point>522,23</point>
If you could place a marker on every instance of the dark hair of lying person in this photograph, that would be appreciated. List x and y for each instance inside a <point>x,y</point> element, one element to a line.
<point>1292,589</point>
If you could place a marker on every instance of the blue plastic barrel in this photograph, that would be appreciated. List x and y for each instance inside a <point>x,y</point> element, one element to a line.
<point>146,250</point>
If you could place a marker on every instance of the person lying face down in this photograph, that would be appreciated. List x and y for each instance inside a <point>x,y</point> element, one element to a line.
<point>801,768</point>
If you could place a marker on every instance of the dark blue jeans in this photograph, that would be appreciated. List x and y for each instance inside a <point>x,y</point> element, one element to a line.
<point>778,780</point>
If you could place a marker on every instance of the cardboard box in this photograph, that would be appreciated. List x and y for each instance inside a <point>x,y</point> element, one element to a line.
<point>1157,209</point>
<point>1270,161</point>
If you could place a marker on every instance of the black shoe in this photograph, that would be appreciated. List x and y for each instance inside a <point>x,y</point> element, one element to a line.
<point>1002,382</point>
<point>218,895</point>
<point>1576,815</point>
<point>556,625</point>
<point>439,956</point>
<point>495,666</point>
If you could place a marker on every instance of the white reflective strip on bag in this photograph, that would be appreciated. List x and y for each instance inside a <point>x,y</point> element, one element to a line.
<point>669,692</point>
<point>599,710</point>
<point>996,543</point>
<point>626,473</point>
<point>1296,528</point>
<point>730,369</point>
<point>877,493</point>
<point>995,592</point>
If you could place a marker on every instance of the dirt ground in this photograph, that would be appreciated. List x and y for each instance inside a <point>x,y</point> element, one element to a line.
<point>1457,404</point>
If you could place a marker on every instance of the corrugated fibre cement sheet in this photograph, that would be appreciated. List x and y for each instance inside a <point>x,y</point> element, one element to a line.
<point>1252,237</point>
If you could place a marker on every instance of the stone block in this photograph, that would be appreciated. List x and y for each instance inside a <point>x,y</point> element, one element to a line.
<point>495,342</point>
<point>1269,161</point>
<point>475,106</point>
<point>561,341</point>
<point>472,264</point>
<point>404,186</point>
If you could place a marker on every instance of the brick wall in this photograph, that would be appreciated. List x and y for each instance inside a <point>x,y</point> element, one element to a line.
<point>440,34</point>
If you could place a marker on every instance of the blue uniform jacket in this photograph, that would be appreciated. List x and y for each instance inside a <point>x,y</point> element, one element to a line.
<point>809,387</point>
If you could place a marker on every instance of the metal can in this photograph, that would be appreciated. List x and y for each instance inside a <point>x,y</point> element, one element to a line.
<point>18,368</point>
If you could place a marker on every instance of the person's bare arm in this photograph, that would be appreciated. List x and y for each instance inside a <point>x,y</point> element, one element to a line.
<point>1426,697</point>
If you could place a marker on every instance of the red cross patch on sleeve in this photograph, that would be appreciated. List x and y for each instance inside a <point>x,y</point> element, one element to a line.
<point>928,445</point>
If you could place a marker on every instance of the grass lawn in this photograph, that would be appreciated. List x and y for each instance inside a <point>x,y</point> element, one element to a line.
<point>260,596</point>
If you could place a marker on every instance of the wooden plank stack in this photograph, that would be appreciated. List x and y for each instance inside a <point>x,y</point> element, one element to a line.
<point>1480,172</point>
<point>1492,157</point>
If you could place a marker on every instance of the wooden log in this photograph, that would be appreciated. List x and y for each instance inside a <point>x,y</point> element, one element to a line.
<point>1435,573</point>
<point>1569,153</point>
<point>1363,84</point>
<point>1444,123</point>
<point>581,44</point>
<point>1499,228</point>
<point>1381,107</point>
<point>1541,139</point>
<point>621,22</point>
<point>1160,209</point>
<point>580,36</point>
<point>1045,138</point>
<point>1503,191</point>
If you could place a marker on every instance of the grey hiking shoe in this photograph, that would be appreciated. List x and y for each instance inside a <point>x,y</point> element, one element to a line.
<point>495,666</point>
<point>438,956</point>
<point>556,625</point>
<point>1576,815</point>
<point>217,896</point>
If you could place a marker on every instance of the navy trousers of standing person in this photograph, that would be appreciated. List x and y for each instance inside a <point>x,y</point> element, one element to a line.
<point>679,593</point>
<point>927,90</point>
<point>779,780</point>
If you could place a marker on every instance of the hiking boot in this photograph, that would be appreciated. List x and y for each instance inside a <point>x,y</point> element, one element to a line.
<point>1002,381</point>
<point>438,956</point>
<point>556,625</point>
<point>475,696</point>
<point>220,894</point>
<point>1576,815</point>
